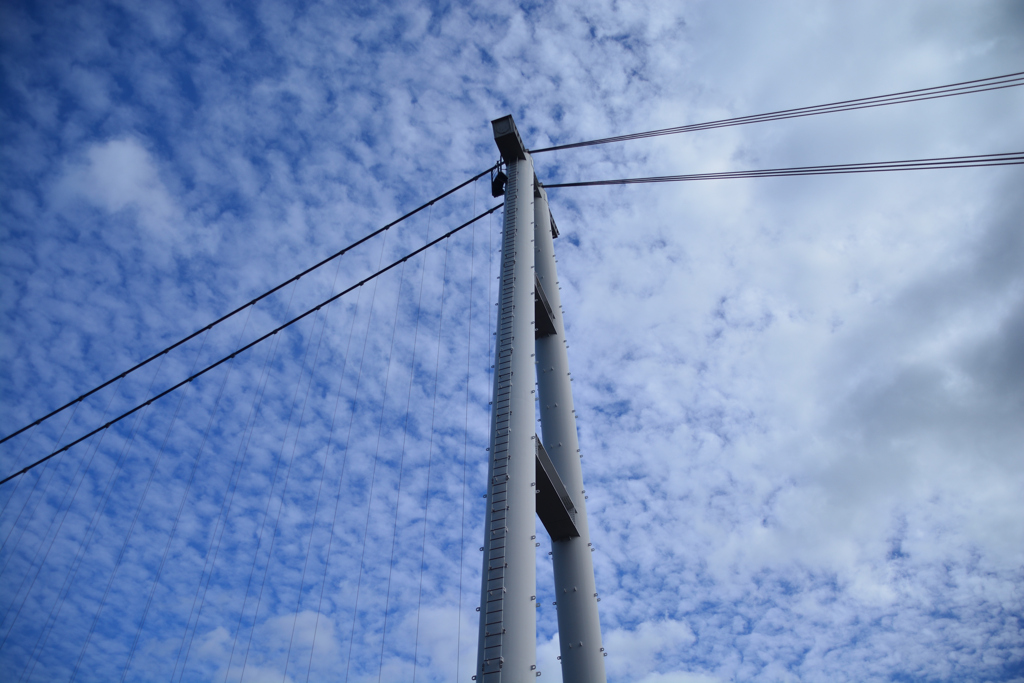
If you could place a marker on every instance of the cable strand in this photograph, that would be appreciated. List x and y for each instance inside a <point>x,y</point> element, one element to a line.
<point>94,522</point>
<point>430,454</point>
<point>181,505</point>
<point>975,161</point>
<point>228,500</point>
<point>376,460</point>
<point>405,436</point>
<point>963,88</point>
<point>465,459</point>
<point>266,515</point>
<point>341,479</point>
<point>249,303</point>
<point>251,344</point>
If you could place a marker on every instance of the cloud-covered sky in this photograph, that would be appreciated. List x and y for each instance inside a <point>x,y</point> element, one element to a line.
<point>800,399</point>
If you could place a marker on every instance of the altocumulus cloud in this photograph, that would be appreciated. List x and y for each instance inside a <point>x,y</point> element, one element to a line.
<point>799,398</point>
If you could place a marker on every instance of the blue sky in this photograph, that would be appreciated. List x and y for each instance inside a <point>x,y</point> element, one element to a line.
<point>799,398</point>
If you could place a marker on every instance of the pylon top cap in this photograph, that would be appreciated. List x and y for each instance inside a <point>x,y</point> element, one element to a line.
<point>506,136</point>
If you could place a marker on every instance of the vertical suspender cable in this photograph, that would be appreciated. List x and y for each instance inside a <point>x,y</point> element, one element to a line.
<point>348,437</point>
<point>266,510</point>
<point>30,496</point>
<point>430,452</point>
<point>85,473</point>
<point>348,440</point>
<point>86,544</point>
<point>97,515</point>
<point>181,505</point>
<point>42,540</point>
<point>227,501</point>
<point>295,445</point>
<point>287,478</point>
<point>135,519</point>
<point>401,460</point>
<point>14,491</point>
<point>465,447</point>
<point>376,458</point>
<point>319,490</point>
<point>341,479</point>
<point>49,546</point>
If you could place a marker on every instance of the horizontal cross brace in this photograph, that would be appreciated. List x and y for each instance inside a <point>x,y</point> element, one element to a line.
<point>554,505</point>
<point>544,317</point>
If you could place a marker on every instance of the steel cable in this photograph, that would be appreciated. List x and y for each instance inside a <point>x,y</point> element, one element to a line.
<point>181,505</point>
<point>295,445</point>
<point>964,88</point>
<point>465,457</point>
<point>86,544</point>
<point>131,527</point>
<point>316,506</point>
<point>42,540</point>
<point>373,474</point>
<point>348,440</point>
<point>430,454</point>
<point>251,344</point>
<point>249,303</point>
<point>84,468</point>
<point>341,479</point>
<point>16,487</point>
<point>266,514</point>
<point>227,501</point>
<point>284,490</point>
<point>405,435</point>
<point>974,161</point>
<point>28,498</point>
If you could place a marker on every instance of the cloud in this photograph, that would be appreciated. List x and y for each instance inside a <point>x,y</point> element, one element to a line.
<point>120,175</point>
<point>679,677</point>
<point>799,398</point>
<point>647,646</point>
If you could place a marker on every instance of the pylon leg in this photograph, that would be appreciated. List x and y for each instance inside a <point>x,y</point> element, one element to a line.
<point>579,629</point>
<point>507,651</point>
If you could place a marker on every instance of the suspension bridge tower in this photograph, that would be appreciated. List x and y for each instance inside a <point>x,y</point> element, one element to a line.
<point>532,475</point>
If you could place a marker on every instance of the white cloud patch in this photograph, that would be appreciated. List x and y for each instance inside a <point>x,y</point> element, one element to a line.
<point>679,677</point>
<point>636,652</point>
<point>120,176</point>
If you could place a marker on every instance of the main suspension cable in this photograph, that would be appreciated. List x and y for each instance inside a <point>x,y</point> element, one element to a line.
<point>252,343</point>
<point>964,88</point>
<point>1006,159</point>
<point>241,308</point>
